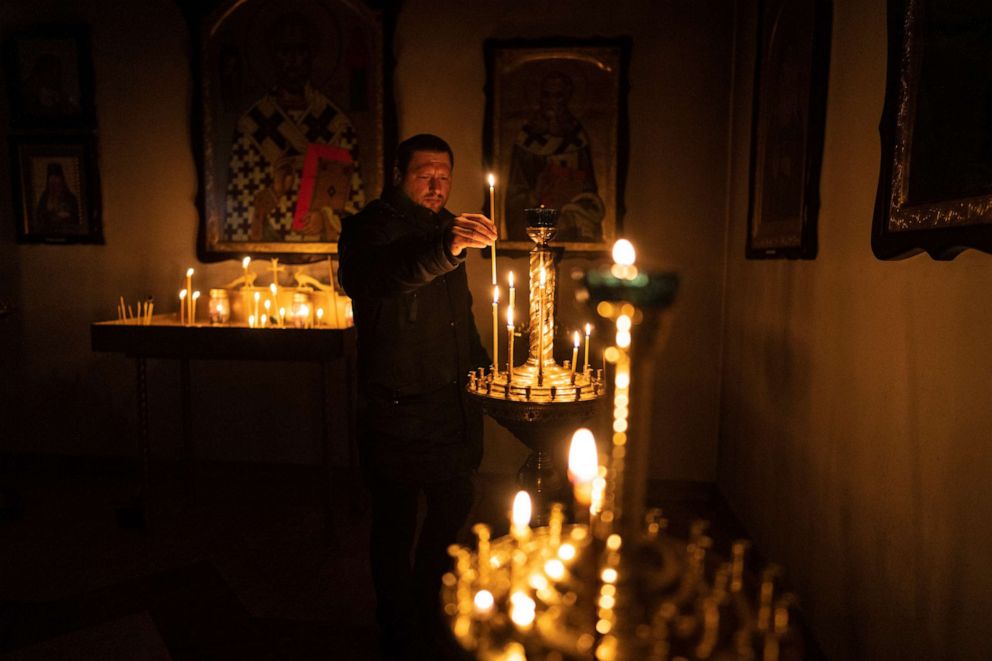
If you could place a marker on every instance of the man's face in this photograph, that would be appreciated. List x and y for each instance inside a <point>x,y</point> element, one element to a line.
<point>427,180</point>
<point>554,97</point>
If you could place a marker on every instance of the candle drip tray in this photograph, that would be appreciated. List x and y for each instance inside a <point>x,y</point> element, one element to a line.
<point>542,411</point>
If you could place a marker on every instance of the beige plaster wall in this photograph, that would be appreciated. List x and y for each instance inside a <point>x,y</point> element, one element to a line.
<point>857,399</point>
<point>71,400</point>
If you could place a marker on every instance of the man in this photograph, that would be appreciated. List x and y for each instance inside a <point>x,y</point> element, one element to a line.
<point>403,264</point>
<point>293,172</point>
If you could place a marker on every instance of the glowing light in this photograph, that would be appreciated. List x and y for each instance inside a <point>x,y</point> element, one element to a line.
<point>613,542</point>
<point>603,626</point>
<point>612,354</point>
<point>555,569</point>
<point>538,581</point>
<point>510,278</point>
<point>245,262</point>
<point>484,601</point>
<point>623,252</point>
<point>189,272</point>
<point>514,652</point>
<point>522,609</point>
<point>575,339</point>
<point>544,277</point>
<point>583,463</point>
<point>495,294</point>
<point>492,180</point>
<point>623,339</point>
<point>622,380</point>
<point>509,317</point>
<point>521,509</point>
<point>624,323</point>
<point>566,552</point>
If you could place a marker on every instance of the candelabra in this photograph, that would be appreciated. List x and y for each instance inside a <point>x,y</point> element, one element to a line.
<point>540,402</point>
<point>615,584</point>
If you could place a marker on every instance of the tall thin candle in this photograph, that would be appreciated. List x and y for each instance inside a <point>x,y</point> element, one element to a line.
<point>509,342</point>
<point>192,305</point>
<point>513,291</point>
<point>495,331</point>
<point>585,359</point>
<point>492,213</point>
<point>575,353</point>
<point>244,265</point>
<point>540,331</point>
<point>189,288</point>
<point>182,306</point>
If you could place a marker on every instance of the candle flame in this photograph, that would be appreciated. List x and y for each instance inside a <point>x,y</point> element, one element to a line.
<point>522,609</point>
<point>245,262</point>
<point>196,294</point>
<point>588,329</point>
<point>257,296</point>
<point>509,317</point>
<point>511,279</point>
<point>320,313</point>
<point>182,294</point>
<point>189,272</point>
<point>483,601</point>
<point>583,462</point>
<point>495,294</point>
<point>623,252</point>
<point>268,304</point>
<point>575,339</point>
<point>521,509</point>
<point>492,180</point>
<point>273,288</point>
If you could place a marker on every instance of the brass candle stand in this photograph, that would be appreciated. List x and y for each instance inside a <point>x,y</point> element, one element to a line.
<point>540,402</point>
<point>617,585</point>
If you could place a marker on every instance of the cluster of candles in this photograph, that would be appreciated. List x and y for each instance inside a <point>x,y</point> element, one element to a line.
<point>263,309</point>
<point>127,314</point>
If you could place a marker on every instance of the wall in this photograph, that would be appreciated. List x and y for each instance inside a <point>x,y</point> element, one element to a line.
<point>856,397</point>
<point>71,400</point>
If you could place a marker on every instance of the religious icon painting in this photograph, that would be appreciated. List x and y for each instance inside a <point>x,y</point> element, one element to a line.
<point>556,136</point>
<point>790,100</point>
<point>291,124</point>
<point>50,79</point>
<point>56,192</point>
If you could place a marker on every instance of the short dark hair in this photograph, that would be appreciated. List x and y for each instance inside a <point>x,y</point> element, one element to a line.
<point>421,142</point>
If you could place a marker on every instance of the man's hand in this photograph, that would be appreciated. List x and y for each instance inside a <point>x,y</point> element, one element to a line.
<point>471,230</point>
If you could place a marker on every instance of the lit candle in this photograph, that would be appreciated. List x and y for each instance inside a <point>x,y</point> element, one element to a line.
<point>520,518</point>
<point>509,342</point>
<point>583,465</point>
<point>492,213</point>
<point>513,291</point>
<point>189,288</point>
<point>274,290</point>
<point>265,318</point>
<point>192,305</point>
<point>495,330</point>
<point>182,306</point>
<point>575,353</point>
<point>251,321</point>
<point>244,265</point>
<point>320,315</point>
<point>282,316</point>
<point>258,296</point>
<point>585,360</point>
<point>540,330</point>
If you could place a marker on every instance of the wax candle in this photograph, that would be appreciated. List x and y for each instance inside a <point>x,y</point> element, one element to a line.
<point>575,353</point>
<point>509,342</point>
<point>583,465</point>
<point>320,315</point>
<point>492,214</point>
<point>189,288</point>
<point>265,317</point>
<point>495,330</point>
<point>282,316</point>
<point>182,306</point>
<point>540,331</point>
<point>513,291</point>
<point>258,296</point>
<point>244,265</point>
<point>585,359</point>
<point>193,300</point>
<point>520,518</point>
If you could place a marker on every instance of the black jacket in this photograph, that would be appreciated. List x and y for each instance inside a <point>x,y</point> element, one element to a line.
<point>417,339</point>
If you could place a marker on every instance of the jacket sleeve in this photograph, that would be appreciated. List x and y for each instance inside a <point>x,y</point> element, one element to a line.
<point>375,264</point>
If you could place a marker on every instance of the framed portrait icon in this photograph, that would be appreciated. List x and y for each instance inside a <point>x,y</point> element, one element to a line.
<point>56,191</point>
<point>291,123</point>
<point>556,136</point>
<point>50,78</point>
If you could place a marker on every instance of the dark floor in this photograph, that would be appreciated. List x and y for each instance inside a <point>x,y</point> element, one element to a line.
<point>246,571</point>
